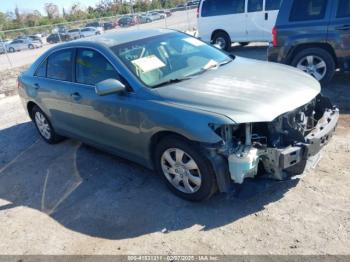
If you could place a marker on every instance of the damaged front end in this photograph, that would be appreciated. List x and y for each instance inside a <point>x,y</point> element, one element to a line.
<point>279,148</point>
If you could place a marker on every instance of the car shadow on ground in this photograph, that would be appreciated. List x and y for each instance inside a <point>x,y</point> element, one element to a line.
<point>101,195</point>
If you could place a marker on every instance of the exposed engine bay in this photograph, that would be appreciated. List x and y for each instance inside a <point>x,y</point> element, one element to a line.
<point>279,148</point>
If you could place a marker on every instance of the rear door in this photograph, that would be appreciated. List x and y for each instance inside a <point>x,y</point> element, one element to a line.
<point>339,28</point>
<point>270,16</point>
<point>52,86</point>
<point>255,20</point>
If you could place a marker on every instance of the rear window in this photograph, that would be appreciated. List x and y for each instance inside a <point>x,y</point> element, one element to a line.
<point>343,9</point>
<point>222,7</point>
<point>305,10</point>
<point>273,5</point>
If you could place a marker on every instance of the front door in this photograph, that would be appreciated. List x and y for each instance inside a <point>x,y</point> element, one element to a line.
<point>111,121</point>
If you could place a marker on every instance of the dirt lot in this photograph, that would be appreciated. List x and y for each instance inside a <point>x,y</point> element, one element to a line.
<point>72,199</point>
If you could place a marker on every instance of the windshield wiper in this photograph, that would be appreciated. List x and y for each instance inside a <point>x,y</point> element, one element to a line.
<point>217,65</point>
<point>171,81</point>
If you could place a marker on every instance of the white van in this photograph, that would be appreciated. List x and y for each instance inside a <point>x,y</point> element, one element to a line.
<point>222,22</point>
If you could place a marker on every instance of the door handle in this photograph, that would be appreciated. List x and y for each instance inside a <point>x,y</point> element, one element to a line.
<point>266,16</point>
<point>76,96</point>
<point>343,27</point>
<point>36,86</point>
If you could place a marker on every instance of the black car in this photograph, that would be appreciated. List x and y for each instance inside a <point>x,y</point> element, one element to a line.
<point>55,38</point>
<point>108,26</point>
<point>313,35</point>
<point>126,21</point>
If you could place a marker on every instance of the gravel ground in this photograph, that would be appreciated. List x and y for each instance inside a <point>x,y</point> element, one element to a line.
<point>73,199</point>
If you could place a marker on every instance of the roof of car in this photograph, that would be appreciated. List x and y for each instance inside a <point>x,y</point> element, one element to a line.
<point>117,38</point>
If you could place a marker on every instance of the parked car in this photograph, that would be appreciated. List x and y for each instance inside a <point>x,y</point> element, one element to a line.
<point>153,16</point>
<point>126,21</point>
<point>163,13</point>
<point>35,38</point>
<point>89,31</point>
<point>56,38</point>
<point>313,36</point>
<point>108,26</point>
<point>243,21</point>
<point>74,33</point>
<point>99,26</point>
<point>168,101</point>
<point>22,44</point>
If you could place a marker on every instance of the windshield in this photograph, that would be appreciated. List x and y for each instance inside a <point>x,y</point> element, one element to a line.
<point>169,58</point>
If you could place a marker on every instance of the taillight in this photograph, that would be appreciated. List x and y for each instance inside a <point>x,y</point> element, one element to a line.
<point>198,11</point>
<point>274,36</point>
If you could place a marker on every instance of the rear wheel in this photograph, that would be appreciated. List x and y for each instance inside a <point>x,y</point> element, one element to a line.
<point>316,62</point>
<point>11,50</point>
<point>44,126</point>
<point>184,169</point>
<point>30,46</point>
<point>223,40</point>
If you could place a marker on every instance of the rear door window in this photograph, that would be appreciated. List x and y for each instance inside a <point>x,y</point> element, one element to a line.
<point>273,5</point>
<point>59,65</point>
<point>255,5</point>
<point>305,10</point>
<point>343,9</point>
<point>222,7</point>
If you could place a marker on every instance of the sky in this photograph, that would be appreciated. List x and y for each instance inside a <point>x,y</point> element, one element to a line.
<point>26,5</point>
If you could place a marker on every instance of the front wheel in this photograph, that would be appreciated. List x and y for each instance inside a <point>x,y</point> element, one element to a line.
<point>184,169</point>
<point>30,46</point>
<point>316,62</point>
<point>44,126</point>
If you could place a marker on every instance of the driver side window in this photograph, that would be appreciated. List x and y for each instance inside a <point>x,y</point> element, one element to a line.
<point>92,67</point>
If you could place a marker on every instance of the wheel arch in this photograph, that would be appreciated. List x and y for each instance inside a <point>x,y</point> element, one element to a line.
<point>219,31</point>
<point>325,46</point>
<point>30,106</point>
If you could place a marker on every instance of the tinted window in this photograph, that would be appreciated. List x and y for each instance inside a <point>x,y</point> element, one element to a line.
<point>222,7</point>
<point>304,10</point>
<point>273,5</point>
<point>92,67</point>
<point>255,5</point>
<point>41,70</point>
<point>343,9</point>
<point>59,65</point>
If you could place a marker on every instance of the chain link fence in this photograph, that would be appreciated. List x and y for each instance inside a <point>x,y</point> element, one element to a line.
<point>21,47</point>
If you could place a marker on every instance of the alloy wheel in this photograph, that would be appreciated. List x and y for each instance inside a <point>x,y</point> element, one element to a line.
<point>313,65</point>
<point>43,125</point>
<point>181,170</point>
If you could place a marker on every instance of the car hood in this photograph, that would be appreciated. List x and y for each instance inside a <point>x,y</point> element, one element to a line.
<point>245,90</point>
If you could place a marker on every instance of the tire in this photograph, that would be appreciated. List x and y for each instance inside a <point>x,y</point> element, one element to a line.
<point>320,57</point>
<point>198,173</point>
<point>223,40</point>
<point>41,121</point>
<point>30,46</point>
<point>12,50</point>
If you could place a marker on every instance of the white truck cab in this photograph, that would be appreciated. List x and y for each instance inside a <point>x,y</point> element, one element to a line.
<point>223,22</point>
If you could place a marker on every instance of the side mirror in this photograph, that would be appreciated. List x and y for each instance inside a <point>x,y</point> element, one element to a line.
<point>109,86</point>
